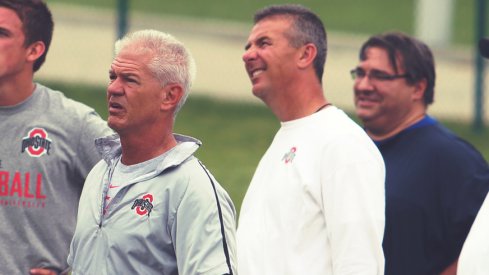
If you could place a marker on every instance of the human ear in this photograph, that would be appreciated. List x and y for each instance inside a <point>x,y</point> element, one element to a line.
<point>420,89</point>
<point>307,53</point>
<point>172,93</point>
<point>35,50</point>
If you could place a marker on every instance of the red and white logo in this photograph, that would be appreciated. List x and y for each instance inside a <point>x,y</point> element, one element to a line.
<point>36,143</point>
<point>289,156</point>
<point>143,206</point>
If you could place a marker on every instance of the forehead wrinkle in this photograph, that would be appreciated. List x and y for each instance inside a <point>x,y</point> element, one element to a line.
<point>128,67</point>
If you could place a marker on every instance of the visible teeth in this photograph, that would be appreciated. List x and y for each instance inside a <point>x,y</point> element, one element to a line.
<point>256,73</point>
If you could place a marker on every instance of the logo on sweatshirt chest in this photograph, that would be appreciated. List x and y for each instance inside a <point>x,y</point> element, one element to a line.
<point>144,205</point>
<point>36,143</point>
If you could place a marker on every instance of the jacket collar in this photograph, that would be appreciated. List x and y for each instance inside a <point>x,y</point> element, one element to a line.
<point>110,149</point>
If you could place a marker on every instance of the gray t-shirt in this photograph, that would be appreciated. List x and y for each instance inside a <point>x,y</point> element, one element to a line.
<point>46,151</point>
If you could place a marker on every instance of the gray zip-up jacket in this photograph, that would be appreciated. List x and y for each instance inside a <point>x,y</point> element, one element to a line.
<point>176,219</point>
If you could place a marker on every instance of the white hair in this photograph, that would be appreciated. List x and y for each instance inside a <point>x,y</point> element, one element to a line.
<point>171,62</point>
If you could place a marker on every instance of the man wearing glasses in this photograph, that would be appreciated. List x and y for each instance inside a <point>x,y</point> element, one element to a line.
<point>435,182</point>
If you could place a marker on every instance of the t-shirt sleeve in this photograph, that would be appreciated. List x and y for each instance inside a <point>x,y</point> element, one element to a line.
<point>463,185</point>
<point>354,206</point>
<point>91,128</point>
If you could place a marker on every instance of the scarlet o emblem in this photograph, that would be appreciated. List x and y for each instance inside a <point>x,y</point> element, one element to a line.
<point>33,150</point>
<point>143,206</point>
<point>36,143</point>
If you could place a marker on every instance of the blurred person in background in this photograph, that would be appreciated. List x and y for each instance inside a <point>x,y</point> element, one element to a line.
<point>151,207</point>
<point>474,259</point>
<point>315,204</point>
<point>435,181</point>
<point>47,147</point>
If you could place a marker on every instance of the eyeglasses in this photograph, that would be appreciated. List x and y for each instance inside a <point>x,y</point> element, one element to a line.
<point>375,75</point>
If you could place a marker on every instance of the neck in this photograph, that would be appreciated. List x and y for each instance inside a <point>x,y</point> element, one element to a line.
<point>299,102</point>
<point>16,89</point>
<point>137,148</point>
<point>382,134</point>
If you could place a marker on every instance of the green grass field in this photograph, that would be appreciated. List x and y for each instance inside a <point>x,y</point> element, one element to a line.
<point>234,135</point>
<point>356,16</point>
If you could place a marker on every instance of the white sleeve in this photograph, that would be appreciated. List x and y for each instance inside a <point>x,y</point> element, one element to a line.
<point>475,252</point>
<point>354,201</point>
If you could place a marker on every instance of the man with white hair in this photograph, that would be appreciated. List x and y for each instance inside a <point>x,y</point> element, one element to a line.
<point>151,207</point>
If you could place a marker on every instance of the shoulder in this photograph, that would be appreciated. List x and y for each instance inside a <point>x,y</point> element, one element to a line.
<point>341,134</point>
<point>440,140</point>
<point>71,113</point>
<point>438,151</point>
<point>61,108</point>
<point>336,123</point>
<point>94,177</point>
<point>199,179</point>
<point>57,99</point>
<point>98,170</point>
<point>200,186</point>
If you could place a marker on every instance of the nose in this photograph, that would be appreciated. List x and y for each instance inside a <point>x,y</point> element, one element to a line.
<point>115,88</point>
<point>249,54</point>
<point>363,83</point>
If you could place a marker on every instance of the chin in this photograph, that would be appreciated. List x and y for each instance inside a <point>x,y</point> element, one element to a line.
<point>257,93</point>
<point>113,124</point>
<point>362,114</point>
<point>259,90</point>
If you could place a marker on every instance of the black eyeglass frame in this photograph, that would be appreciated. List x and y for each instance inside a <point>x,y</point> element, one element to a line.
<point>375,75</point>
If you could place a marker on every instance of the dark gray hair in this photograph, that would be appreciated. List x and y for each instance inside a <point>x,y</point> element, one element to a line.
<point>416,58</point>
<point>307,27</point>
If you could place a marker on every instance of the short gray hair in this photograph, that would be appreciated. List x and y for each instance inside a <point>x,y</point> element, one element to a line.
<point>171,62</point>
<point>306,27</point>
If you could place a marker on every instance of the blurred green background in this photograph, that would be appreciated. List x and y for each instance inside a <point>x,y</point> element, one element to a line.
<point>357,16</point>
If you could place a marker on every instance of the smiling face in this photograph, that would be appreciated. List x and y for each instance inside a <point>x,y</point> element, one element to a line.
<point>270,60</point>
<point>134,95</point>
<point>383,105</point>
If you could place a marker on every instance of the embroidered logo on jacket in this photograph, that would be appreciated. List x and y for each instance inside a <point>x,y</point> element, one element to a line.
<point>36,143</point>
<point>289,156</point>
<point>143,206</point>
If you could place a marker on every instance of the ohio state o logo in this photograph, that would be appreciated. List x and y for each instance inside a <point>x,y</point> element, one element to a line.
<point>143,206</point>
<point>36,143</point>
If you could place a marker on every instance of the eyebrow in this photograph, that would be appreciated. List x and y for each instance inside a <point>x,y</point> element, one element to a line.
<point>123,74</point>
<point>257,41</point>
<point>380,71</point>
<point>371,70</point>
<point>247,46</point>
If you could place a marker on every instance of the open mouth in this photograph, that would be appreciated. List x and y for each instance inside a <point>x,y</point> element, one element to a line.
<point>254,69</point>
<point>256,73</point>
<point>114,107</point>
<point>365,102</point>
